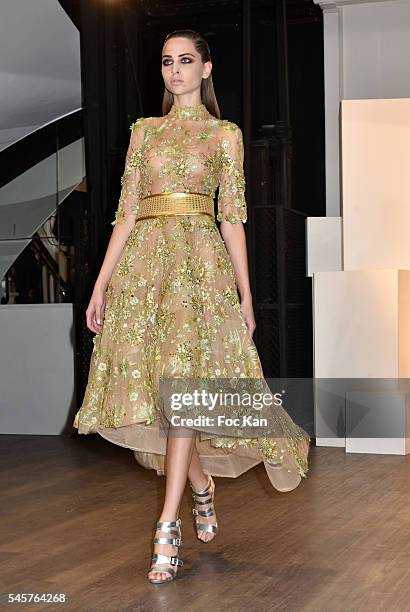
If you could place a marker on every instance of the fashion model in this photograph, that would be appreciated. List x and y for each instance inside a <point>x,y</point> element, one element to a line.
<point>166,304</point>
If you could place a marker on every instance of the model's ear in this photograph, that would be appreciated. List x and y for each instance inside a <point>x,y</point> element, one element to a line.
<point>207,70</point>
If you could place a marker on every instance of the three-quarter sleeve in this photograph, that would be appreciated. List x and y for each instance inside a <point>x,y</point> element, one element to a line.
<point>131,185</point>
<point>231,199</point>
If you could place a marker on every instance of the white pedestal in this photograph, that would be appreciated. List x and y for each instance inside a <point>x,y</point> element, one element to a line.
<point>323,244</point>
<point>376,184</point>
<point>361,331</point>
<point>37,394</point>
<point>378,422</point>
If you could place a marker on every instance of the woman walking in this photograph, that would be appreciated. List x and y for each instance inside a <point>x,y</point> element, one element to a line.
<point>165,303</point>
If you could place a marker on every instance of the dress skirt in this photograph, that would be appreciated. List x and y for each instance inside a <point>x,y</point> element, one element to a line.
<point>172,310</point>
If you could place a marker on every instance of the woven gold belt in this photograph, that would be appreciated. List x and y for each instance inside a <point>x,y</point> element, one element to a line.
<point>176,203</point>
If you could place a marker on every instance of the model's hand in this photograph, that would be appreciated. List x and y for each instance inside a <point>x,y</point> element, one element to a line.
<point>247,311</point>
<point>95,310</point>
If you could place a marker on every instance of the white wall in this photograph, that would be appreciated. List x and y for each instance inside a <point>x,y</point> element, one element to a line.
<point>376,50</point>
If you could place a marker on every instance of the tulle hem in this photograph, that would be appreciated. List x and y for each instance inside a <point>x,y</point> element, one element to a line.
<point>149,445</point>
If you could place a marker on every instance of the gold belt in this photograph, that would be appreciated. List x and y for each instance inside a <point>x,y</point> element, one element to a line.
<point>175,203</point>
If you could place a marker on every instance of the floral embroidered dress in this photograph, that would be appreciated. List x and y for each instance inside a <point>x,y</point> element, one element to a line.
<point>172,306</point>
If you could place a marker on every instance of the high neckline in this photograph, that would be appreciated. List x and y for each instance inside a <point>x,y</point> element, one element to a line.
<point>196,112</point>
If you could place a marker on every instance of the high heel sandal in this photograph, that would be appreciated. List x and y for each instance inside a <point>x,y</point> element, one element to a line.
<point>206,497</point>
<point>172,527</point>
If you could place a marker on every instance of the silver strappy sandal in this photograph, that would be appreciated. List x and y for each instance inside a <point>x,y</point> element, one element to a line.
<point>205,498</point>
<point>173,528</point>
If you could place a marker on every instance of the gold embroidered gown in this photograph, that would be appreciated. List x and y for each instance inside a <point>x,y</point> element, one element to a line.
<point>172,306</point>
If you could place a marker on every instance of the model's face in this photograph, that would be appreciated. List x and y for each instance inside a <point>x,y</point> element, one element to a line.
<point>182,66</point>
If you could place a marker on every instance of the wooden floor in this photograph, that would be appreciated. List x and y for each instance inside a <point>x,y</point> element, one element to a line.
<point>78,513</point>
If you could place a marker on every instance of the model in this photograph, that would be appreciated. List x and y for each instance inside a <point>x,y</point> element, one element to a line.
<point>166,304</point>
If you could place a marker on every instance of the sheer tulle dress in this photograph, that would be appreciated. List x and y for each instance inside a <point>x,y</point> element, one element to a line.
<point>172,306</point>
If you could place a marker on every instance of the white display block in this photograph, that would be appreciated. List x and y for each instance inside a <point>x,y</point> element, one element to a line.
<point>361,330</point>
<point>323,244</point>
<point>330,408</point>
<point>37,384</point>
<point>375,137</point>
<point>378,422</point>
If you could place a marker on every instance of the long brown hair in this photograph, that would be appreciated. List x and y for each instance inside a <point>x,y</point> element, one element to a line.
<point>208,96</point>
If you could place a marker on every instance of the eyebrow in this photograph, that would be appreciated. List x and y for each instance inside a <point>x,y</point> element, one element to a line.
<point>179,55</point>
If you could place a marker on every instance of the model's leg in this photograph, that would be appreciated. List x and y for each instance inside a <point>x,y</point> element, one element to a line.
<point>195,473</point>
<point>199,481</point>
<point>178,459</point>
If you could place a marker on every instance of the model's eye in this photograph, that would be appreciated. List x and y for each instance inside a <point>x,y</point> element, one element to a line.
<point>186,58</point>
<point>165,62</point>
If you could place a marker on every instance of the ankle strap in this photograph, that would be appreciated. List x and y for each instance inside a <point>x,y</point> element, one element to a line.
<point>204,491</point>
<point>165,525</point>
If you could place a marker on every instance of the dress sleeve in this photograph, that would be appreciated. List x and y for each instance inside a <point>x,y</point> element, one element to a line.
<point>131,185</point>
<point>231,199</point>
